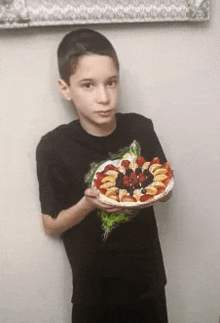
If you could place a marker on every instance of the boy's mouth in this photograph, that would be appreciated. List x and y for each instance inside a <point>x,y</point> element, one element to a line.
<point>105,113</point>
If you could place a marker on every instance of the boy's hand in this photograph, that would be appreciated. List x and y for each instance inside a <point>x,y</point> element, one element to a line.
<point>91,195</point>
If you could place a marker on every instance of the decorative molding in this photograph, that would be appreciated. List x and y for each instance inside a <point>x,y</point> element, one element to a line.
<point>13,13</point>
<point>198,10</point>
<point>25,13</point>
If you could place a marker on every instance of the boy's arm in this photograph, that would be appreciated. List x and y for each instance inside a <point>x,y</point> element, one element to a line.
<point>76,213</point>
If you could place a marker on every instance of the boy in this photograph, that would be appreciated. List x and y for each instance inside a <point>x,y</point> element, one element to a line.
<point>123,278</point>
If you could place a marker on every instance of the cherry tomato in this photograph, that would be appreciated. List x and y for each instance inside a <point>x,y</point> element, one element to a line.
<point>134,182</point>
<point>125,163</point>
<point>140,160</point>
<point>126,183</point>
<point>125,178</point>
<point>133,175</point>
<point>142,177</point>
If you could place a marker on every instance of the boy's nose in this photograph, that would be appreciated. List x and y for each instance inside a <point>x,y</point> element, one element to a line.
<point>102,95</point>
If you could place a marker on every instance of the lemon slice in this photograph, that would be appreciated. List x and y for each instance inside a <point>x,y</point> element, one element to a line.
<point>137,194</point>
<point>133,166</point>
<point>145,165</point>
<point>160,178</point>
<point>122,193</point>
<point>108,179</point>
<point>113,197</point>
<point>158,184</point>
<point>113,173</point>
<point>160,171</point>
<point>107,185</point>
<point>122,169</point>
<point>111,190</point>
<point>154,167</point>
<point>151,190</point>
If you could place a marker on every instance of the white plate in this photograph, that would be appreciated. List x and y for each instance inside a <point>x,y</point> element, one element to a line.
<point>104,199</point>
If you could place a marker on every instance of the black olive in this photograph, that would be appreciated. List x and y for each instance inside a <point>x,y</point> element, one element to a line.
<point>128,171</point>
<point>147,172</point>
<point>130,190</point>
<point>137,186</point>
<point>147,182</point>
<point>118,182</point>
<point>144,184</point>
<point>120,175</point>
<point>143,191</point>
<point>138,170</point>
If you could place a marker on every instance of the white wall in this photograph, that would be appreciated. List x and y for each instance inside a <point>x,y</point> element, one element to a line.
<point>171,73</point>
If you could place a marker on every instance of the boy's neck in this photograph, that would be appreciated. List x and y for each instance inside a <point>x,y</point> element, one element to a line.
<point>102,130</point>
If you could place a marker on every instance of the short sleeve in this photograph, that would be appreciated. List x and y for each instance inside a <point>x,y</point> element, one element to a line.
<point>153,145</point>
<point>53,183</point>
<point>156,145</point>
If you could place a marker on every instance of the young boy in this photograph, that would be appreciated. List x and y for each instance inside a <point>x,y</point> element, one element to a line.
<point>121,279</point>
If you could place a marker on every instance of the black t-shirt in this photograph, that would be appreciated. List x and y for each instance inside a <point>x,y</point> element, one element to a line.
<point>132,250</point>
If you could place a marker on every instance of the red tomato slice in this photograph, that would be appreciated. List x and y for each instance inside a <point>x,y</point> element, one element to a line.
<point>166,181</point>
<point>166,165</point>
<point>128,198</point>
<point>100,175</point>
<point>145,197</point>
<point>102,190</point>
<point>155,160</point>
<point>169,173</point>
<point>97,182</point>
<point>110,167</point>
<point>160,190</point>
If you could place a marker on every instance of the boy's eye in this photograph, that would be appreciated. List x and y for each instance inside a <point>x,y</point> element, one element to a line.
<point>87,85</point>
<point>112,83</point>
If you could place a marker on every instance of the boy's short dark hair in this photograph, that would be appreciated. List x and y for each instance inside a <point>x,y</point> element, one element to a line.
<point>81,42</point>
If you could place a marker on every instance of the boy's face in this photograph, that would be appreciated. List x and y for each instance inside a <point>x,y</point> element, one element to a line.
<point>94,90</point>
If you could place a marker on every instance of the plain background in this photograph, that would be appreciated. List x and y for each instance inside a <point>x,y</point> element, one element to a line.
<point>170,72</point>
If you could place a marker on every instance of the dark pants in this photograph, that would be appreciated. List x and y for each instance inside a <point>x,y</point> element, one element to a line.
<point>147,309</point>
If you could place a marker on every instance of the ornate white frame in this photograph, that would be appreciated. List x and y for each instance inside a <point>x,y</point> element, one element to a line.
<point>26,13</point>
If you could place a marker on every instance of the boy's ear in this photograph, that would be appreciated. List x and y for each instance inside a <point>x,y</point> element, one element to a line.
<point>64,89</point>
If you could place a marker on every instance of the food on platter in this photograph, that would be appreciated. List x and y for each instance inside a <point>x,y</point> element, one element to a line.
<point>128,180</point>
<point>133,181</point>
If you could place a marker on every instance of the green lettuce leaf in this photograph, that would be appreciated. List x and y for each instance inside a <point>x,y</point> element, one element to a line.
<point>134,150</point>
<point>110,220</point>
<point>91,173</point>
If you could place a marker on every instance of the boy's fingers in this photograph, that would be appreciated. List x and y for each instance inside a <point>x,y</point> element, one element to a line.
<point>91,192</point>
